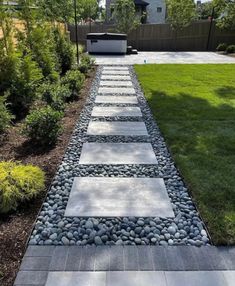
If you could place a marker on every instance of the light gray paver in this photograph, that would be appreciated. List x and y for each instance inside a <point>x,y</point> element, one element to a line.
<point>115,68</point>
<point>76,279</point>
<point>102,111</point>
<point>229,277</point>
<point>116,99</point>
<point>31,278</point>
<point>116,90</point>
<point>134,278</point>
<point>119,197</point>
<point>117,128</point>
<point>115,72</point>
<point>195,278</point>
<point>115,77</point>
<point>115,83</point>
<point>117,153</point>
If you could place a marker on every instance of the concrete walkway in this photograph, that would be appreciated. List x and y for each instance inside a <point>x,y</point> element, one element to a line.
<point>143,212</point>
<point>165,58</point>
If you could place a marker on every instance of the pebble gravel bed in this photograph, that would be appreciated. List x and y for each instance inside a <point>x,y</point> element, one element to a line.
<point>52,228</point>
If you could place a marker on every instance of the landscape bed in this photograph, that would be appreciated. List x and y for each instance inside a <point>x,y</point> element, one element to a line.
<point>194,106</point>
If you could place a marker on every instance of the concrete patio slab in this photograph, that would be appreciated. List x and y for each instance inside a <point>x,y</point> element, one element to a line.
<point>119,197</point>
<point>115,77</point>
<point>116,90</point>
<point>76,279</point>
<point>116,99</point>
<point>117,128</point>
<point>109,111</point>
<point>116,83</point>
<point>115,72</point>
<point>165,58</point>
<point>121,68</point>
<point>117,153</point>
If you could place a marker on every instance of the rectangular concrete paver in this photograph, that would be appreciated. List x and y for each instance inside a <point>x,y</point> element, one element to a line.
<point>103,111</point>
<point>119,197</point>
<point>76,279</point>
<point>117,153</point>
<point>115,72</point>
<point>115,83</point>
<point>31,278</point>
<point>123,68</point>
<point>116,99</point>
<point>117,128</point>
<point>115,77</point>
<point>116,90</point>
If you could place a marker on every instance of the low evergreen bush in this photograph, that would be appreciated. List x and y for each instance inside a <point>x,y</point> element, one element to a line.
<point>222,47</point>
<point>18,183</point>
<point>74,79</point>
<point>86,63</point>
<point>5,115</point>
<point>230,49</point>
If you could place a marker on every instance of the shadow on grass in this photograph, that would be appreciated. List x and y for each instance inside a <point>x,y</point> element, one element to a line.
<point>201,138</point>
<point>227,92</point>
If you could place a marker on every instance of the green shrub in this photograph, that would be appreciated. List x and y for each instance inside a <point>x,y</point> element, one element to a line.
<point>86,63</point>
<point>64,50</point>
<point>230,49</point>
<point>43,126</point>
<point>222,47</point>
<point>74,79</point>
<point>55,95</point>
<point>5,115</point>
<point>18,183</point>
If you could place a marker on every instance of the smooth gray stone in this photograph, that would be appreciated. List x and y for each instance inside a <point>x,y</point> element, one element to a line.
<point>117,153</point>
<point>136,278</point>
<point>195,278</point>
<point>115,77</point>
<point>229,277</point>
<point>116,83</point>
<point>102,111</point>
<point>116,99</point>
<point>115,68</point>
<point>76,279</point>
<point>35,263</point>
<point>42,250</point>
<point>117,128</point>
<point>116,90</point>
<point>118,197</point>
<point>31,278</point>
<point>115,72</point>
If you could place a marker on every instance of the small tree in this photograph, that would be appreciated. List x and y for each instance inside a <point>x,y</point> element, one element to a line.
<point>125,16</point>
<point>226,9</point>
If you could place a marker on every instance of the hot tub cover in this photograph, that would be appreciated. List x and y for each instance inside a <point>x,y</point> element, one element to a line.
<point>106,36</point>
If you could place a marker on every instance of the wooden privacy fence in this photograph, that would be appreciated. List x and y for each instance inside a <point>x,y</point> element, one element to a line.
<point>160,37</point>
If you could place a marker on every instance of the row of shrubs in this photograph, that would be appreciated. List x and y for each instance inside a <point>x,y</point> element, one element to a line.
<point>229,49</point>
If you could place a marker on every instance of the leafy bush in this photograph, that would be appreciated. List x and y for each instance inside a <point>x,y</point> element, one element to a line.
<point>43,126</point>
<point>74,79</point>
<point>5,116</point>
<point>222,47</point>
<point>55,95</point>
<point>18,183</point>
<point>86,63</point>
<point>230,49</point>
<point>64,50</point>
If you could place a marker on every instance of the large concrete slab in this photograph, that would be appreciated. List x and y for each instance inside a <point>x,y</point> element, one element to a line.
<point>116,90</point>
<point>117,153</point>
<point>115,72</point>
<point>62,278</point>
<point>118,197</point>
<point>165,58</point>
<point>121,68</point>
<point>115,83</point>
<point>117,128</point>
<point>109,111</point>
<point>115,77</point>
<point>116,99</point>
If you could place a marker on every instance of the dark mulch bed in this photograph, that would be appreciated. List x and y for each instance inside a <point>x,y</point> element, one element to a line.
<point>16,227</point>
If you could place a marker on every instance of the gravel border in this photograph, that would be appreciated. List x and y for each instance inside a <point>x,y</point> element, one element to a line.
<point>52,228</point>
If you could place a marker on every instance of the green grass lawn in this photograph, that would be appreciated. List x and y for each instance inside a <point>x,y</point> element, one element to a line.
<point>194,106</point>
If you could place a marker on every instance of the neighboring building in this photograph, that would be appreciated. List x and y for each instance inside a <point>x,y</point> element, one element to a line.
<point>155,10</point>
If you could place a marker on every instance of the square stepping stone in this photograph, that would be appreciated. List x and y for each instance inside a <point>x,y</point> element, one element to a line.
<point>117,153</point>
<point>103,111</point>
<point>62,278</point>
<point>121,68</point>
<point>116,90</point>
<point>116,83</point>
<point>116,99</point>
<point>115,72</point>
<point>115,77</point>
<point>119,197</point>
<point>117,128</point>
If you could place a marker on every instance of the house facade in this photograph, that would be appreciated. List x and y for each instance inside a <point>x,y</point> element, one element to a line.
<point>155,10</point>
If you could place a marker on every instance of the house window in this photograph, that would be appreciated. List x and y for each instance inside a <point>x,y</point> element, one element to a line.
<point>159,9</point>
